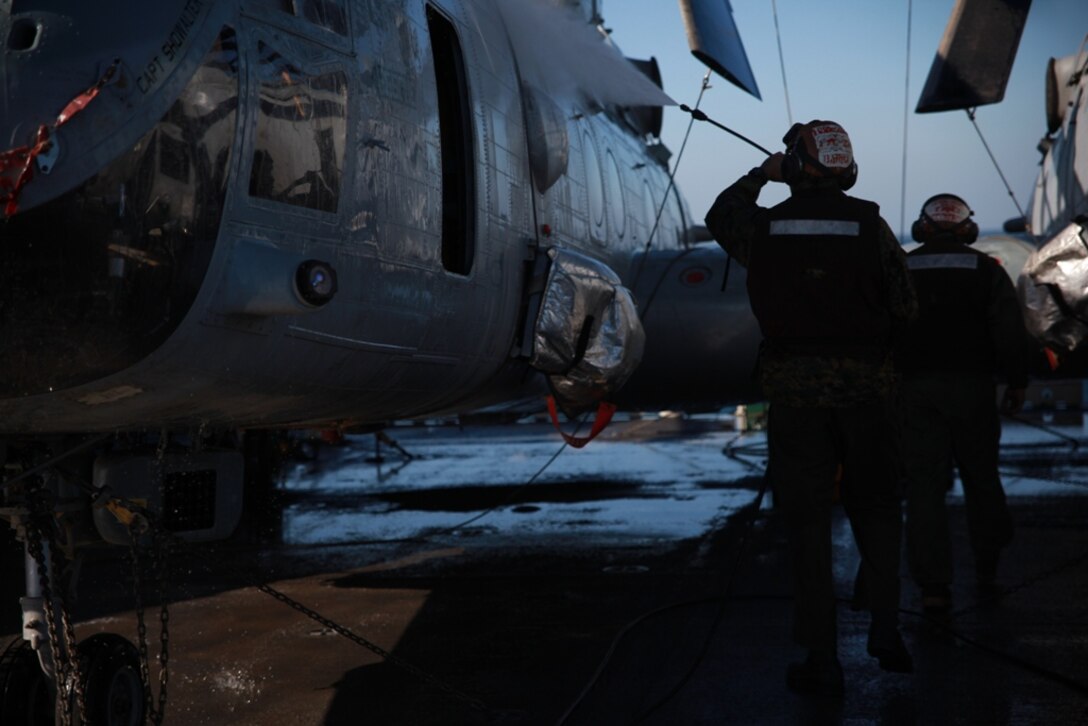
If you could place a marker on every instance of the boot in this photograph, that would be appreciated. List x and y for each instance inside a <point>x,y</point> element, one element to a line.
<point>886,645</point>
<point>820,674</point>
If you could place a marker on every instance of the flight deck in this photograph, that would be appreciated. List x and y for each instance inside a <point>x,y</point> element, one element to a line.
<point>490,575</point>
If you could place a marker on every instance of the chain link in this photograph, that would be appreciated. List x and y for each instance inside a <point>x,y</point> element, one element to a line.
<point>65,663</point>
<point>159,531</point>
<point>141,626</point>
<point>156,713</point>
<point>475,703</point>
<point>69,634</point>
<point>162,538</point>
<point>1024,584</point>
<point>60,661</point>
<point>163,563</point>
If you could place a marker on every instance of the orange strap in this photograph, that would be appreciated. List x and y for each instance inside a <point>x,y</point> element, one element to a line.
<point>603,416</point>
<point>1051,358</point>
<point>17,164</point>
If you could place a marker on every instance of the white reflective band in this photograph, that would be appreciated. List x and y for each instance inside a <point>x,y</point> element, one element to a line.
<point>841,227</point>
<point>942,262</point>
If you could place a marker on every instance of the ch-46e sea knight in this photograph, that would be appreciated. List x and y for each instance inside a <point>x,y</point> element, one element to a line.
<point>229,217</point>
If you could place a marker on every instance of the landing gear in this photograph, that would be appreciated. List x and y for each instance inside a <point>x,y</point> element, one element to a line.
<point>110,668</point>
<point>62,497</point>
<point>47,676</point>
<point>26,697</point>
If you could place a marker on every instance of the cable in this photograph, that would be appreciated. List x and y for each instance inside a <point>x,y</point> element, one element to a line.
<point>698,115</point>
<point>1067,564</point>
<point>452,528</point>
<point>723,601</point>
<point>733,451</point>
<point>971,115</point>
<point>510,497</point>
<point>645,309</point>
<point>742,550</point>
<point>1013,659</point>
<point>672,180</point>
<point>1053,432</point>
<point>906,116</point>
<point>616,640</point>
<point>782,61</point>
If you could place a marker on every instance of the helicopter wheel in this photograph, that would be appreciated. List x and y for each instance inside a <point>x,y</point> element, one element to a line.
<point>25,698</point>
<point>114,692</point>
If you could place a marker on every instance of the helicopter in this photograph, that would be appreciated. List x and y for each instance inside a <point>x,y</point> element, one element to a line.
<point>227,220</point>
<point>1052,285</point>
<point>1044,251</point>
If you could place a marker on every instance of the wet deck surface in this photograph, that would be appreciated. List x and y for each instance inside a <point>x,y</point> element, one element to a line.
<point>593,591</point>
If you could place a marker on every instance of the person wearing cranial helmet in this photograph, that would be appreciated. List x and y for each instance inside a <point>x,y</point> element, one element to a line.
<point>816,151</point>
<point>829,286</point>
<point>969,334</point>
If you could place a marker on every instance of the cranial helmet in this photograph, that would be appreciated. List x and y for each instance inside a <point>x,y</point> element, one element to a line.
<point>945,216</point>
<point>819,149</point>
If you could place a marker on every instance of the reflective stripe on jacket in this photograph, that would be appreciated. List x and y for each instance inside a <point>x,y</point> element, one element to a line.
<point>815,278</point>
<point>969,320</point>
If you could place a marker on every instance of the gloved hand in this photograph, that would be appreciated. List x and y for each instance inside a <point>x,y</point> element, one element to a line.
<point>772,166</point>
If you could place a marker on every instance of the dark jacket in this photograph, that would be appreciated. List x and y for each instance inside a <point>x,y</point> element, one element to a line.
<point>828,304</point>
<point>969,321</point>
<point>815,279</point>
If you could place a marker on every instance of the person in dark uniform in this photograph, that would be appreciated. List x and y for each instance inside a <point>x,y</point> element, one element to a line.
<point>969,331</point>
<point>829,285</point>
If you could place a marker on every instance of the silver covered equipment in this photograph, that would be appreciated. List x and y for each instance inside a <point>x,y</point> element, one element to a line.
<point>587,335</point>
<point>1052,289</point>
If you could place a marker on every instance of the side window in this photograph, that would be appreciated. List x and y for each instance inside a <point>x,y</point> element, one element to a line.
<point>670,226</point>
<point>298,152</point>
<point>649,210</point>
<point>677,233</point>
<point>455,120</point>
<point>615,195</point>
<point>595,187</point>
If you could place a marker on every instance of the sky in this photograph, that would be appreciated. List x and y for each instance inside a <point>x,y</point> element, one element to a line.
<point>847,61</point>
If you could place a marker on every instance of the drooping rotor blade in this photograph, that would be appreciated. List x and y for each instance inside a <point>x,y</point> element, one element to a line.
<point>714,40</point>
<point>563,55</point>
<point>975,56</point>
<point>648,119</point>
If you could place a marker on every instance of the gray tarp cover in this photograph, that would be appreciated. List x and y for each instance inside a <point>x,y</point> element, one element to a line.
<point>1053,289</point>
<point>584,300</point>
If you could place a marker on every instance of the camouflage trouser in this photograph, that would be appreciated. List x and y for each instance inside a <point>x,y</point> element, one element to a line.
<point>807,447</point>
<point>948,421</point>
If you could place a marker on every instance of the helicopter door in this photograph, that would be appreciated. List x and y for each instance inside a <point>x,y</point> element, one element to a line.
<point>458,166</point>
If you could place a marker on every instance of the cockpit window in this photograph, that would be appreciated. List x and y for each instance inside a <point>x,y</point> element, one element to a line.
<point>96,279</point>
<point>298,152</point>
<point>328,14</point>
